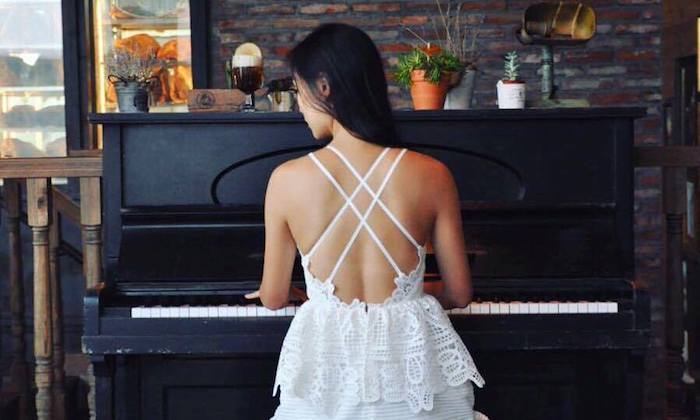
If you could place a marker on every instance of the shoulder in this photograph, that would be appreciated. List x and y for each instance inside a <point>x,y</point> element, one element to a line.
<point>290,175</point>
<point>427,168</point>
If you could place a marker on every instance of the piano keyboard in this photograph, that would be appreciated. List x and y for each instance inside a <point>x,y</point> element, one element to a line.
<point>475,308</point>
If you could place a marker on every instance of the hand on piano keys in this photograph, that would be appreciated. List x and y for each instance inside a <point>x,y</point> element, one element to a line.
<point>295,294</point>
<point>475,308</point>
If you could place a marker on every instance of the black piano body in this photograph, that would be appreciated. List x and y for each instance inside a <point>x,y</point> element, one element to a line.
<point>547,198</point>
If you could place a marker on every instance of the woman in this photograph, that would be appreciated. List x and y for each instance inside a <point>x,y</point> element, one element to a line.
<point>372,341</point>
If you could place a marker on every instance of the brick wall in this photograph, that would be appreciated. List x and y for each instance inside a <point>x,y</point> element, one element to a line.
<point>619,66</point>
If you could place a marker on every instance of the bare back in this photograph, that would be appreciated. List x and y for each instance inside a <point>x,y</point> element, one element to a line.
<point>326,220</point>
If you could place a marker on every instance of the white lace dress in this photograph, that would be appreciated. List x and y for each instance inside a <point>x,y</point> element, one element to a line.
<point>400,359</point>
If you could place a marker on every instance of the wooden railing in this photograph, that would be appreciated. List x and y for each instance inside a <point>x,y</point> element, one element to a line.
<point>45,207</point>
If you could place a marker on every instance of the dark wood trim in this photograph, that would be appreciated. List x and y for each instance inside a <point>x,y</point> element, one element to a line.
<point>201,56</point>
<point>282,117</point>
<point>76,75</point>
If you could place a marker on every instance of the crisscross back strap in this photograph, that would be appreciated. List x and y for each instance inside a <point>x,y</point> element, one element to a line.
<point>340,212</point>
<point>369,190</point>
<point>362,217</point>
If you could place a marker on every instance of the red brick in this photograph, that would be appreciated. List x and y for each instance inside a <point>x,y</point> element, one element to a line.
<point>615,98</point>
<point>503,19</point>
<point>293,23</point>
<point>617,14</point>
<point>637,28</point>
<point>323,8</point>
<point>376,7</point>
<point>588,56</point>
<point>414,20</point>
<point>270,9</point>
<point>394,47</point>
<point>282,51</point>
<point>485,5</point>
<point>637,55</point>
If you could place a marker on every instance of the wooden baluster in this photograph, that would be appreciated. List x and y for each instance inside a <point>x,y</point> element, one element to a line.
<point>38,204</point>
<point>91,219</point>
<point>19,369</point>
<point>57,317</point>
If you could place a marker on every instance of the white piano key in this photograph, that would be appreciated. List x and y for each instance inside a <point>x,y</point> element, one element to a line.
<point>503,308</point>
<point>494,308</point>
<point>593,307</point>
<point>582,307</point>
<point>183,312</point>
<point>533,308</point>
<point>212,312</point>
<point>250,311</point>
<point>136,312</point>
<point>229,311</point>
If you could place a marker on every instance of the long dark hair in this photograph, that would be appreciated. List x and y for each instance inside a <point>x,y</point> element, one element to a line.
<point>350,62</point>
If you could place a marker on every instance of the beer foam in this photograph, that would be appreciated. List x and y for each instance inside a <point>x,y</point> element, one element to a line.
<point>246,61</point>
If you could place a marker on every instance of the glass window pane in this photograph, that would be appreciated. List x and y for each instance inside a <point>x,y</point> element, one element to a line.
<point>142,28</point>
<point>32,98</point>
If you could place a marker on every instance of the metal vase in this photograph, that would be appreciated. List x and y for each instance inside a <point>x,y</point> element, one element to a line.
<point>460,96</point>
<point>132,97</point>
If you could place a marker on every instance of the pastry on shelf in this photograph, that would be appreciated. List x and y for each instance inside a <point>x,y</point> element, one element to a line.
<point>180,84</point>
<point>142,45</point>
<point>125,9</point>
<point>160,91</point>
<point>178,49</point>
<point>8,77</point>
<point>129,11</point>
<point>14,148</point>
<point>20,116</point>
<point>51,116</point>
<point>56,147</point>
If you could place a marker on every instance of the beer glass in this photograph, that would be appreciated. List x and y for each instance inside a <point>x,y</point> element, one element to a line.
<point>247,74</point>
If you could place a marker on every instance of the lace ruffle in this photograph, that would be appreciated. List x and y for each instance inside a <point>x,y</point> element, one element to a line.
<point>358,352</point>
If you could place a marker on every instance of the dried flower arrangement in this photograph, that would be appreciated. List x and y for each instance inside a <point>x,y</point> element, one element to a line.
<point>458,36</point>
<point>124,66</point>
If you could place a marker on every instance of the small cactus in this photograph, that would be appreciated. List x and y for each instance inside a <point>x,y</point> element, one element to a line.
<point>511,66</point>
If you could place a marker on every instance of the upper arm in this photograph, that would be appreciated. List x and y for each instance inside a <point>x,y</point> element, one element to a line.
<point>280,248</point>
<point>448,238</point>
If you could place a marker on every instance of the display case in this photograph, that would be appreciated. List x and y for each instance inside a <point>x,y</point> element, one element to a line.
<point>144,28</point>
<point>32,96</point>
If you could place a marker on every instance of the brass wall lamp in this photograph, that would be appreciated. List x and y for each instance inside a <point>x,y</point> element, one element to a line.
<point>561,24</point>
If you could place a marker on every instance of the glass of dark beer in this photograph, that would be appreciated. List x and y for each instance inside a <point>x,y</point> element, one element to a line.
<point>247,74</point>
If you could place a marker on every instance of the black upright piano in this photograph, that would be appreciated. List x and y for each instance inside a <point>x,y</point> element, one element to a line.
<point>557,327</point>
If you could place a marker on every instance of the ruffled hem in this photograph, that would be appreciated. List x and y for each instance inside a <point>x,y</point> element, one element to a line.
<point>402,351</point>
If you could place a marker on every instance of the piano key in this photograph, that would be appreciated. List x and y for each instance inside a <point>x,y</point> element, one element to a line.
<point>475,308</point>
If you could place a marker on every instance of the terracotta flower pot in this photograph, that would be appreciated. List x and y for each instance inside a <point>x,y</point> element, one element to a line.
<point>427,95</point>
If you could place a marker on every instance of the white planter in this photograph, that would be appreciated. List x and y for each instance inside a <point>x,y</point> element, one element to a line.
<point>511,95</point>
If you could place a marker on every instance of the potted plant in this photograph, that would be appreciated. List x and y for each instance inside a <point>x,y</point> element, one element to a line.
<point>459,38</point>
<point>427,72</point>
<point>511,90</point>
<point>131,74</point>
